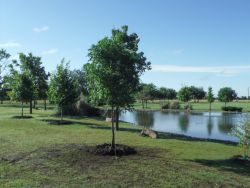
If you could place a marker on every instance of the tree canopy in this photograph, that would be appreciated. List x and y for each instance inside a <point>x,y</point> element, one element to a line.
<point>63,88</point>
<point>114,68</point>
<point>226,94</point>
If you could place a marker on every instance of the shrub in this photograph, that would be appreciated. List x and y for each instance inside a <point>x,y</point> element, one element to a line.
<point>81,108</point>
<point>188,107</point>
<point>174,105</point>
<point>242,132</point>
<point>232,109</point>
<point>165,106</point>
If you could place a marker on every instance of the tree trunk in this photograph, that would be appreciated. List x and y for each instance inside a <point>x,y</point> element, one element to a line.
<point>61,113</point>
<point>113,132</point>
<point>210,107</point>
<point>45,105</point>
<point>30,106</point>
<point>1,101</point>
<point>117,118</point>
<point>22,108</point>
<point>142,104</point>
<point>225,104</point>
<point>34,104</point>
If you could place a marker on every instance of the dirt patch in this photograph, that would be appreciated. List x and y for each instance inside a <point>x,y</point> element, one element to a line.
<point>22,117</point>
<point>58,122</point>
<point>119,150</point>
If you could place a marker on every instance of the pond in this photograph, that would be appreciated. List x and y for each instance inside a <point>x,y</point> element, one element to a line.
<point>214,125</point>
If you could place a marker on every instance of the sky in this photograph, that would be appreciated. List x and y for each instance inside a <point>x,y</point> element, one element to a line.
<point>195,42</point>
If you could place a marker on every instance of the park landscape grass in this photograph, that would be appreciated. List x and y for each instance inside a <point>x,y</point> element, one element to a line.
<point>35,154</point>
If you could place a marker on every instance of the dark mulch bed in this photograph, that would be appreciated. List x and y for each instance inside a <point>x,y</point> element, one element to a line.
<point>106,149</point>
<point>239,160</point>
<point>22,117</point>
<point>58,122</point>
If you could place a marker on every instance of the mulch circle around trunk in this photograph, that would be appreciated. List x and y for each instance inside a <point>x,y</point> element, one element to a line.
<point>22,117</point>
<point>239,160</point>
<point>106,149</point>
<point>58,122</point>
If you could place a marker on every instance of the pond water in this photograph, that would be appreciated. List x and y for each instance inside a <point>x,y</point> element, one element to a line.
<point>214,125</point>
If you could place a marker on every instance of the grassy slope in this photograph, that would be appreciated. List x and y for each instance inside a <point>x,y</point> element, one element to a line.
<point>202,105</point>
<point>41,155</point>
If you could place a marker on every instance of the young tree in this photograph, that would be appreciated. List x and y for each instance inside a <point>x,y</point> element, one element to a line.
<point>210,97</point>
<point>4,57</point>
<point>113,71</point>
<point>33,66</point>
<point>63,89</point>
<point>242,132</point>
<point>197,93</point>
<point>226,94</point>
<point>184,94</point>
<point>22,88</point>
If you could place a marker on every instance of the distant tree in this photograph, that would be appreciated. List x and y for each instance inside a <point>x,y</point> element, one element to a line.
<point>63,89</point>
<point>113,72</point>
<point>80,77</point>
<point>210,97</point>
<point>147,92</point>
<point>4,57</point>
<point>197,93</point>
<point>171,94</point>
<point>184,94</point>
<point>226,94</point>
<point>22,88</point>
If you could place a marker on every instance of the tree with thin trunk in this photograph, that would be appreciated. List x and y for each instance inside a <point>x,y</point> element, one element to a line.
<point>210,97</point>
<point>22,88</point>
<point>62,88</point>
<point>113,72</point>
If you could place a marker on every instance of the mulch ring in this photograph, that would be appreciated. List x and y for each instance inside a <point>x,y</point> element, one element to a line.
<point>22,117</point>
<point>58,122</point>
<point>239,160</point>
<point>106,149</point>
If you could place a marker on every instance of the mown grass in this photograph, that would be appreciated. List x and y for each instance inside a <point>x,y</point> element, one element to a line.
<point>198,106</point>
<point>35,154</point>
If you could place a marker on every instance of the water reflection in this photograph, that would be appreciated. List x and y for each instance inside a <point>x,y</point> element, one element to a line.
<point>184,122</point>
<point>209,125</point>
<point>145,119</point>
<point>226,123</point>
<point>215,125</point>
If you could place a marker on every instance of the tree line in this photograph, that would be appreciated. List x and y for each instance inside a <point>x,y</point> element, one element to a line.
<point>149,92</point>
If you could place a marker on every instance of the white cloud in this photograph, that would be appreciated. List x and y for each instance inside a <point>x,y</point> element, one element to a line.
<point>50,51</point>
<point>10,44</point>
<point>40,29</point>
<point>218,70</point>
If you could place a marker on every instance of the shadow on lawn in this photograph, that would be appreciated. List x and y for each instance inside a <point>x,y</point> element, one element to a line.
<point>227,165</point>
<point>161,135</point>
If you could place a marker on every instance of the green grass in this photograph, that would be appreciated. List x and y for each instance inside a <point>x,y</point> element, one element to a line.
<point>35,154</point>
<point>201,106</point>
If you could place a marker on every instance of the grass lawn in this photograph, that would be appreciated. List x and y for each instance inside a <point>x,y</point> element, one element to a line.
<point>35,154</point>
<point>201,106</point>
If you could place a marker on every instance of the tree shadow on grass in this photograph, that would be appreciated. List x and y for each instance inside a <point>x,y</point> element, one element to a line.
<point>231,165</point>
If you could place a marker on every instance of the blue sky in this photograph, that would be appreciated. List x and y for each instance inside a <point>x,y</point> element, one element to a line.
<point>202,43</point>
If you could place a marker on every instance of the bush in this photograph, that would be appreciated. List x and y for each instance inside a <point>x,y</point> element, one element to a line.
<point>165,106</point>
<point>188,107</point>
<point>81,109</point>
<point>174,105</point>
<point>232,109</point>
